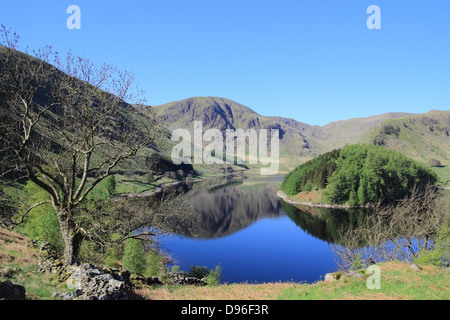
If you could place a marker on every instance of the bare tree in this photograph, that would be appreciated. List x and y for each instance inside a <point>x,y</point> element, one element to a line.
<point>65,125</point>
<point>399,231</point>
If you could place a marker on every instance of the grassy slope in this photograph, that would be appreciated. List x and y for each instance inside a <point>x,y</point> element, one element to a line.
<point>422,137</point>
<point>19,263</point>
<point>341,133</point>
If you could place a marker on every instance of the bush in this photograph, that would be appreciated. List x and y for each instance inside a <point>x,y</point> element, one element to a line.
<point>440,254</point>
<point>198,272</point>
<point>213,277</point>
<point>154,264</point>
<point>435,163</point>
<point>134,256</point>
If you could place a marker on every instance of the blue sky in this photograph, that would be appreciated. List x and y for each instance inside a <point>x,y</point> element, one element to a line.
<point>312,60</point>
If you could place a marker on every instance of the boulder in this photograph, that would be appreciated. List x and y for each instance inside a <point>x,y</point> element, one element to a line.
<point>11,291</point>
<point>415,267</point>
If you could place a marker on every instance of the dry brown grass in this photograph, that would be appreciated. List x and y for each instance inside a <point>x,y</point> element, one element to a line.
<point>14,250</point>
<point>266,291</point>
<point>312,197</point>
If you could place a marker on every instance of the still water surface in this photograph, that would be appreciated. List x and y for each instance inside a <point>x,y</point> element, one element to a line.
<point>244,227</point>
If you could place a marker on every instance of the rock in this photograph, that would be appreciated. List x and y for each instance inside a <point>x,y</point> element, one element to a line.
<point>93,283</point>
<point>414,267</point>
<point>32,244</point>
<point>116,285</point>
<point>153,281</point>
<point>353,274</point>
<point>185,280</point>
<point>330,277</point>
<point>11,291</point>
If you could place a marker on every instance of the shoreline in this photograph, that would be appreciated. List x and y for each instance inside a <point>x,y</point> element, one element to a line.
<point>286,199</point>
<point>157,190</point>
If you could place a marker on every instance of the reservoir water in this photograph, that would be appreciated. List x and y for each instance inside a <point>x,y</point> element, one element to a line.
<point>245,228</point>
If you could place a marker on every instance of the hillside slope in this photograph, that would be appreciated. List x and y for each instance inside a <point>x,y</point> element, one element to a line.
<point>423,137</point>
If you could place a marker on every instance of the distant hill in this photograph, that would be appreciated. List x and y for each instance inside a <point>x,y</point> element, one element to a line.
<point>421,136</point>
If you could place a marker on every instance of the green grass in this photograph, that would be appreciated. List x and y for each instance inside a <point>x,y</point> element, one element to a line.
<point>19,264</point>
<point>38,286</point>
<point>443,174</point>
<point>133,187</point>
<point>398,282</point>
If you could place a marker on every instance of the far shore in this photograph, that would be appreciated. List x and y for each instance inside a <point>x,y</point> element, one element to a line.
<point>286,199</point>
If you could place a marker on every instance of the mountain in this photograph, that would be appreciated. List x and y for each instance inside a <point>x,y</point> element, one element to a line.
<point>297,138</point>
<point>420,136</point>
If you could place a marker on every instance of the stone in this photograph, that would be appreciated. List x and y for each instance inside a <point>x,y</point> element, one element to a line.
<point>353,274</point>
<point>329,277</point>
<point>11,291</point>
<point>415,267</point>
<point>89,282</point>
<point>116,284</point>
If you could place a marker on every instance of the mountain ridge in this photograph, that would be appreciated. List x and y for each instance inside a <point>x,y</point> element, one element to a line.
<point>301,141</point>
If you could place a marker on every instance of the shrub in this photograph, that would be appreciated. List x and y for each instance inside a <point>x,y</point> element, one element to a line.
<point>440,254</point>
<point>134,256</point>
<point>213,277</point>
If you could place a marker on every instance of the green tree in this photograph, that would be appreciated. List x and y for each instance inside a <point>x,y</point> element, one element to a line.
<point>360,174</point>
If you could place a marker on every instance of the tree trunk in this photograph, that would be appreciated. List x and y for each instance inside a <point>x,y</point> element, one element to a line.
<point>71,237</point>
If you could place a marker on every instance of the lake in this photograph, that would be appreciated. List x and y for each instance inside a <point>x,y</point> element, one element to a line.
<point>255,237</point>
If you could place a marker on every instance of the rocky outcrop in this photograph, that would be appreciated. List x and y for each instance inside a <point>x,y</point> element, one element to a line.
<point>335,276</point>
<point>86,281</point>
<point>89,282</point>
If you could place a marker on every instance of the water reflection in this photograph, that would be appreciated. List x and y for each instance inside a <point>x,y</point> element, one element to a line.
<point>226,206</point>
<point>323,223</point>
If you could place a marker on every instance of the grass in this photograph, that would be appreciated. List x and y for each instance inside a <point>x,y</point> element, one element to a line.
<point>443,174</point>
<point>134,185</point>
<point>19,264</point>
<point>398,282</point>
<point>309,197</point>
<point>244,291</point>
